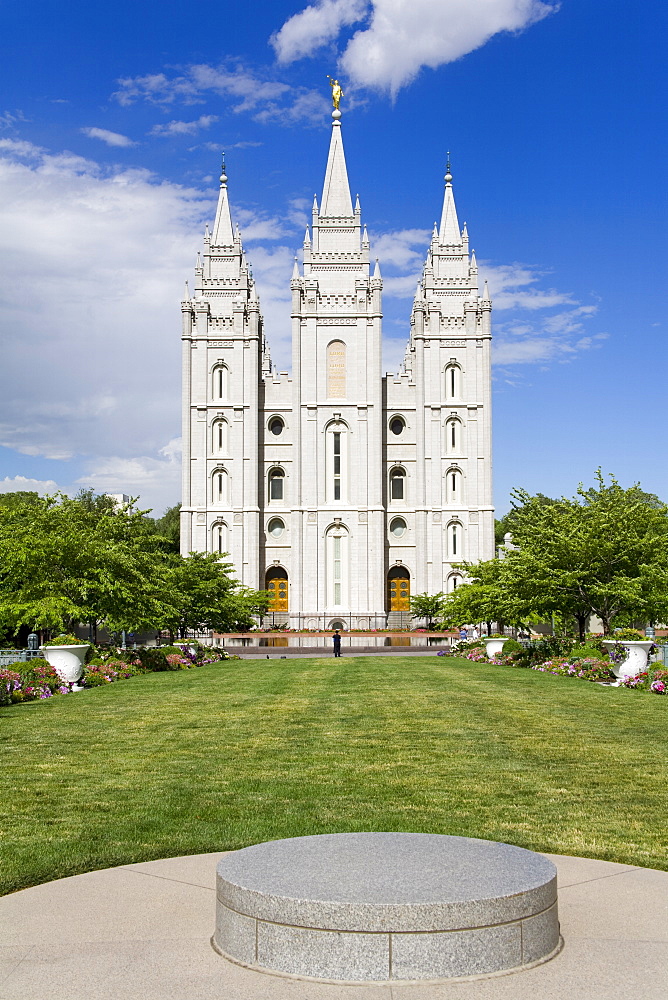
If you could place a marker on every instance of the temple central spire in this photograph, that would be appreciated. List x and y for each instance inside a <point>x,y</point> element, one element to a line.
<point>336,201</point>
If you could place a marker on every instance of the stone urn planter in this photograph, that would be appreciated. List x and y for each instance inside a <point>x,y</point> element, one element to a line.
<point>494,646</point>
<point>68,662</point>
<point>636,656</point>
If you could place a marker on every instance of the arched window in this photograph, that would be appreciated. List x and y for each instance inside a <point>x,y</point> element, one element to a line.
<point>336,370</point>
<point>453,381</point>
<point>337,461</point>
<point>337,566</point>
<point>220,486</point>
<point>397,425</point>
<point>455,541</point>
<point>453,436</point>
<point>276,484</point>
<point>219,436</point>
<point>454,581</point>
<point>276,426</point>
<point>397,483</point>
<point>219,542</point>
<point>453,486</point>
<point>220,382</point>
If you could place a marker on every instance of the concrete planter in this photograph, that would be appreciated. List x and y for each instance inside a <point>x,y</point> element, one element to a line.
<point>68,662</point>
<point>494,646</point>
<point>636,658</point>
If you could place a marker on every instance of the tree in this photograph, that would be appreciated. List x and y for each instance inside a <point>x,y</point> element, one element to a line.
<point>65,560</point>
<point>168,527</point>
<point>603,552</point>
<point>204,596</point>
<point>427,606</point>
<point>486,596</point>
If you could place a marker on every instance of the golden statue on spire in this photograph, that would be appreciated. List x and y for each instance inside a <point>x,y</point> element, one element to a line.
<point>337,93</point>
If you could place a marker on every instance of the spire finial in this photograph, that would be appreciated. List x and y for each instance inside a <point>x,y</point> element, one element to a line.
<point>337,94</point>
<point>448,175</point>
<point>223,175</point>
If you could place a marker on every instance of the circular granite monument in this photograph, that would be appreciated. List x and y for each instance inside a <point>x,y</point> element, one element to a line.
<point>360,907</point>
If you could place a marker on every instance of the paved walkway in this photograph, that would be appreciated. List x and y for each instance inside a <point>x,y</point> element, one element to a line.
<point>141,932</point>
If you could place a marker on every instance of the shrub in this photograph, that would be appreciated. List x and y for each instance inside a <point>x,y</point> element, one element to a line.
<point>511,646</point>
<point>588,649</point>
<point>541,650</point>
<point>627,634</point>
<point>153,657</point>
<point>64,640</point>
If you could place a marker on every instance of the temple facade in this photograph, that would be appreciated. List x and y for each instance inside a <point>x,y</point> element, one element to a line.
<point>340,490</point>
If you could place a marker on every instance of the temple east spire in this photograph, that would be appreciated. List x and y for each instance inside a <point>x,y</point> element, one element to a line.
<point>449,233</point>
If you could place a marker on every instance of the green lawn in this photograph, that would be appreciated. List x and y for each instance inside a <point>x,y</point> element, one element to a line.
<point>244,751</point>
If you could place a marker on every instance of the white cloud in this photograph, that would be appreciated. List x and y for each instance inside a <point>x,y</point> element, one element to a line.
<point>315,26</point>
<point>530,323</point>
<point>144,476</point>
<point>89,312</point>
<point>89,315</point>
<point>523,337</point>
<point>402,38</point>
<point>10,119</point>
<point>20,484</point>
<point>404,248</point>
<point>184,128</point>
<point>266,100</point>
<point>111,138</point>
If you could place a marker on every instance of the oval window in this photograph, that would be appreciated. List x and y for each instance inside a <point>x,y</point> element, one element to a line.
<point>397,425</point>
<point>275,527</point>
<point>276,426</point>
<point>398,527</point>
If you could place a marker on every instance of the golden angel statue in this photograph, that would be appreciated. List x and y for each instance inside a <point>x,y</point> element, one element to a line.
<point>337,93</point>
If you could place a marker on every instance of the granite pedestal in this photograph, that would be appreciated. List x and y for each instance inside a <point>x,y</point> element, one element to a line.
<point>360,907</point>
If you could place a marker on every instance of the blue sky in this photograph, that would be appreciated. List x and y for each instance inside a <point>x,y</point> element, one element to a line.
<point>111,123</point>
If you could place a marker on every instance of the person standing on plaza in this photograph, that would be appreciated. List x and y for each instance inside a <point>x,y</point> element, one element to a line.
<point>336,640</point>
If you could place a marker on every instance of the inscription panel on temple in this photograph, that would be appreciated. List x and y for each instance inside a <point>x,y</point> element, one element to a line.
<point>336,370</point>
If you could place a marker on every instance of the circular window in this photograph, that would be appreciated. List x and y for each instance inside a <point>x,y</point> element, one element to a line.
<point>397,425</point>
<point>275,527</point>
<point>398,527</point>
<point>276,426</point>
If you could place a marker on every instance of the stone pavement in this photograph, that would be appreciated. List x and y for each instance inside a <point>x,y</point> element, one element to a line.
<point>142,932</point>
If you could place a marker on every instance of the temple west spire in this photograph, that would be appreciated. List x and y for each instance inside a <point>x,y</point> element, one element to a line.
<point>222,227</point>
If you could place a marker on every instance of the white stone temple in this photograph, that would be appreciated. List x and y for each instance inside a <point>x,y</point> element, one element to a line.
<point>340,490</point>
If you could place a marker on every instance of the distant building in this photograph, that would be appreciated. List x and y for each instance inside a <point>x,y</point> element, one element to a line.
<point>119,498</point>
<point>338,489</point>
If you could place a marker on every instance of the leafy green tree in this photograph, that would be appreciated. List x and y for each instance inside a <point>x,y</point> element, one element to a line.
<point>65,560</point>
<point>205,596</point>
<point>169,528</point>
<point>429,606</point>
<point>487,596</point>
<point>603,552</point>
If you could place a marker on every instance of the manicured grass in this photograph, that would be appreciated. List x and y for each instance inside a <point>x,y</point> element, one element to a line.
<point>244,751</point>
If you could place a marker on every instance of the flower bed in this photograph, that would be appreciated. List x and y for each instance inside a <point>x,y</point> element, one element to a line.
<point>586,668</point>
<point>29,681</point>
<point>36,679</point>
